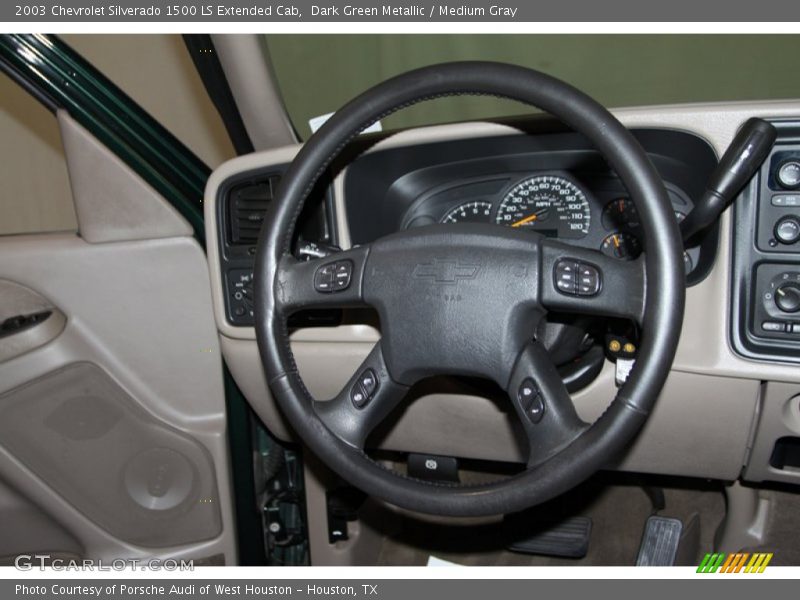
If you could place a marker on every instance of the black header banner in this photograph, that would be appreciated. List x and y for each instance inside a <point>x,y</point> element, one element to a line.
<point>397,11</point>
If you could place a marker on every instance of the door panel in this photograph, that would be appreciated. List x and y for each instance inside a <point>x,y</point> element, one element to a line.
<point>140,330</point>
<point>27,529</point>
<point>112,409</point>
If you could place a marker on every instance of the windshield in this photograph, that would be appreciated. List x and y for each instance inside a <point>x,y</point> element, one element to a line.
<point>319,73</point>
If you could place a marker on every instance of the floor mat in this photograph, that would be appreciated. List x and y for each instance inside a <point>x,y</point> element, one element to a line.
<point>618,513</point>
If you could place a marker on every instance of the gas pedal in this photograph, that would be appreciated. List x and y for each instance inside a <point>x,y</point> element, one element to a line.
<point>660,541</point>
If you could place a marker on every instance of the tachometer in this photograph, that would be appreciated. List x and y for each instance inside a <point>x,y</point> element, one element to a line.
<point>469,212</point>
<point>548,204</point>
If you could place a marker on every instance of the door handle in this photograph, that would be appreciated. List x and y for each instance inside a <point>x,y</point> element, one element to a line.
<point>20,323</point>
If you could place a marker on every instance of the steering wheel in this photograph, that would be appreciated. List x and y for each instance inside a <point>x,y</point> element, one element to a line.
<point>464,299</point>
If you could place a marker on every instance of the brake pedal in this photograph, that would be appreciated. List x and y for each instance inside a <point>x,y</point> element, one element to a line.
<point>660,541</point>
<point>567,539</point>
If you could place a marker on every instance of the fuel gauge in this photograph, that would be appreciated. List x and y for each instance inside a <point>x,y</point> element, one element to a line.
<point>621,245</point>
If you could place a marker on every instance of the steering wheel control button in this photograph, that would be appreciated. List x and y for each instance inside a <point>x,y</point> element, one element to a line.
<point>789,174</point>
<point>342,275</point>
<point>323,278</point>
<point>364,389</point>
<point>358,395</point>
<point>530,399</point>
<point>787,229</point>
<point>333,277</point>
<point>574,278</point>
<point>369,382</point>
<point>588,280</point>
<point>787,297</point>
<point>566,277</point>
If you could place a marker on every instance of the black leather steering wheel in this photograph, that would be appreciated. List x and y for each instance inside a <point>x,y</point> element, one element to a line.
<point>427,283</point>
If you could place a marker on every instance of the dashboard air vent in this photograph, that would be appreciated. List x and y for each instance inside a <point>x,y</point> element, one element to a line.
<point>247,205</point>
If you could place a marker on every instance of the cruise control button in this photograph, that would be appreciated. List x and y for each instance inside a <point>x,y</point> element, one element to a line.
<point>530,400</point>
<point>369,382</point>
<point>358,396</point>
<point>535,411</point>
<point>324,278</point>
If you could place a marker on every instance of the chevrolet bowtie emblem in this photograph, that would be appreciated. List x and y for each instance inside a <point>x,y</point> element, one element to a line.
<point>446,271</point>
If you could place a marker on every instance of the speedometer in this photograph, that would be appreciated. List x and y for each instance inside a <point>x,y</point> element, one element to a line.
<point>548,204</point>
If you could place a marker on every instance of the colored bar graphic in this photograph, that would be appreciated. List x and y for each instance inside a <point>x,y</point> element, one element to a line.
<point>735,563</point>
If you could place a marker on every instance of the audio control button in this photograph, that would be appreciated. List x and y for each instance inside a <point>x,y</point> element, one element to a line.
<point>773,326</point>
<point>787,229</point>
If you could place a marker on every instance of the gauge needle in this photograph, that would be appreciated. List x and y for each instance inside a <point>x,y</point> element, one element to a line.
<point>527,219</point>
<point>616,241</point>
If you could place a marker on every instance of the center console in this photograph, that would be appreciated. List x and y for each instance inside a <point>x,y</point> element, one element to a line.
<point>765,301</point>
<point>765,317</point>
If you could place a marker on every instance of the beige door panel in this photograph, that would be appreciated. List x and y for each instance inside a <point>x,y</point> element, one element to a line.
<point>138,363</point>
<point>112,410</point>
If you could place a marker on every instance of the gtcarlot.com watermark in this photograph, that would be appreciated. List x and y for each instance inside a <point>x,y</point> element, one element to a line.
<point>30,562</point>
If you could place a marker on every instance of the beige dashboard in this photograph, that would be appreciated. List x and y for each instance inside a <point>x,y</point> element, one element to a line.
<point>717,417</point>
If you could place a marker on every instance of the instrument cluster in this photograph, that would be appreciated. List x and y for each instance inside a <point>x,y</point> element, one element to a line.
<point>597,214</point>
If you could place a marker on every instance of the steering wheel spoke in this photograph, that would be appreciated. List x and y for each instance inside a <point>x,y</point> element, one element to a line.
<point>333,281</point>
<point>369,396</point>
<point>543,404</point>
<point>589,282</point>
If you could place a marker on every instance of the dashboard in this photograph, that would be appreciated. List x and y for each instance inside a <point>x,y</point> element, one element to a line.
<point>765,317</point>
<point>553,184</point>
<point>732,396</point>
